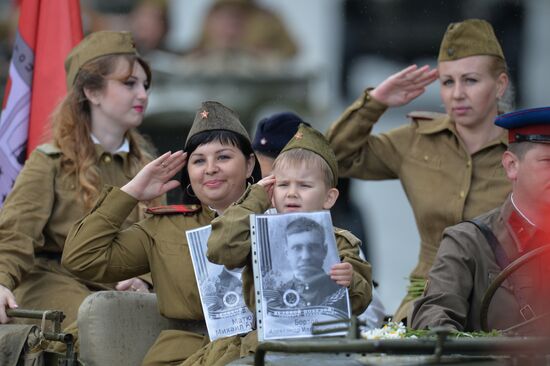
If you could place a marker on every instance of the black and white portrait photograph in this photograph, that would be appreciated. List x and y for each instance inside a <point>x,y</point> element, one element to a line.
<point>294,253</point>
<point>220,289</point>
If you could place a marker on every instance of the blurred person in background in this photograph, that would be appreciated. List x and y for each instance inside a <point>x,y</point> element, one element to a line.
<point>239,36</point>
<point>449,164</point>
<point>149,24</point>
<point>272,134</point>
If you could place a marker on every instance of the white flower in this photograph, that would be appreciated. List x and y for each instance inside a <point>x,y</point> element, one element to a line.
<point>391,330</point>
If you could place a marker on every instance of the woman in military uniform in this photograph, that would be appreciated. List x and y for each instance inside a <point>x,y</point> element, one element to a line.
<point>449,164</point>
<point>219,160</point>
<point>94,142</point>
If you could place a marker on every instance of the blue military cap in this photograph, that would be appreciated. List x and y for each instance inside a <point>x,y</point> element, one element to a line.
<point>274,132</point>
<point>531,125</point>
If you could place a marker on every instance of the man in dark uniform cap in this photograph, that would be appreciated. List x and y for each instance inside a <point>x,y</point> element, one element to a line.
<point>474,252</point>
<point>272,134</point>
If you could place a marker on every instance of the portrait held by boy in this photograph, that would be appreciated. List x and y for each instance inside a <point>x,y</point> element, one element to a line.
<point>304,180</point>
<point>292,254</point>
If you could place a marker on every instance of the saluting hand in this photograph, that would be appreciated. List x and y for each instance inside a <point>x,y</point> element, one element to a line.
<point>402,87</point>
<point>268,183</point>
<point>7,300</point>
<point>155,178</point>
<point>342,273</point>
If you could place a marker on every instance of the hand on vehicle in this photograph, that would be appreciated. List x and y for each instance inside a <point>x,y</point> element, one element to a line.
<point>7,301</point>
<point>133,284</point>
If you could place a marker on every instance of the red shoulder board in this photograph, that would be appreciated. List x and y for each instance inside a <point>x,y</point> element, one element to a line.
<point>173,209</point>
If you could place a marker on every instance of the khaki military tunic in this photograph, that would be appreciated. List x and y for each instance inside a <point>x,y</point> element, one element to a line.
<point>442,181</point>
<point>229,244</point>
<point>34,223</point>
<point>99,250</point>
<point>465,267</point>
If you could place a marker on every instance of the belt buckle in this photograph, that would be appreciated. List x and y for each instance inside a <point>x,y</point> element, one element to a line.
<point>527,312</point>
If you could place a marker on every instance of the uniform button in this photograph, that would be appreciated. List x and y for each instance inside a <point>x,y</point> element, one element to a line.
<point>469,164</point>
<point>307,287</point>
<point>426,157</point>
<point>461,194</point>
<point>107,159</point>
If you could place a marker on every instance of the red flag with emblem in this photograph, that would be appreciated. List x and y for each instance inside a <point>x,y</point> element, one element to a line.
<point>47,31</point>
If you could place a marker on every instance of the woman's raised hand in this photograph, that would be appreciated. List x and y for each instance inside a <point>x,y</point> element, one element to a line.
<point>155,178</point>
<point>402,87</point>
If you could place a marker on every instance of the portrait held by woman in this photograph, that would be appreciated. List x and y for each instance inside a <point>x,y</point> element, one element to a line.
<point>219,164</point>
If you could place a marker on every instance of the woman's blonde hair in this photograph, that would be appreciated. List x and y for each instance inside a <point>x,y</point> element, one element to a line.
<point>71,122</point>
<point>506,103</point>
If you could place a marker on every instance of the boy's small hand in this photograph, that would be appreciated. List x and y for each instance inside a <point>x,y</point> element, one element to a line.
<point>268,183</point>
<point>342,273</point>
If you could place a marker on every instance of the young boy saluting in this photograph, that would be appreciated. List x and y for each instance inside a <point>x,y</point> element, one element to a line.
<point>303,180</point>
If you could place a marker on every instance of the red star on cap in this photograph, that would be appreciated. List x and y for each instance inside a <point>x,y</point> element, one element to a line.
<point>204,114</point>
<point>298,135</point>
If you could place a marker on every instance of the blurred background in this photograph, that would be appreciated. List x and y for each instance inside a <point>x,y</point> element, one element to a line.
<point>312,57</point>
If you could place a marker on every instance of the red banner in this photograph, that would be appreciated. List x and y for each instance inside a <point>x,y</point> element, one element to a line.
<point>47,31</point>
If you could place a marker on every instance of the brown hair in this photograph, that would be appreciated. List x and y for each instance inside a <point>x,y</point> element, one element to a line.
<point>71,122</point>
<point>297,157</point>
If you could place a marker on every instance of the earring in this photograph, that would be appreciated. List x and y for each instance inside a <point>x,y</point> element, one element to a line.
<point>189,191</point>
<point>252,181</point>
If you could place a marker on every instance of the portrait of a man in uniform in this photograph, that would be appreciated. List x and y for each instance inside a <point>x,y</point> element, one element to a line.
<point>228,290</point>
<point>305,250</point>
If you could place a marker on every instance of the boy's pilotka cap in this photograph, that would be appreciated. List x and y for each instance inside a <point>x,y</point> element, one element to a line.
<point>472,37</point>
<point>215,116</point>
<point>527,125</point>
<point>95,45</point>
<point>274,132</point>
<point>310,139</point>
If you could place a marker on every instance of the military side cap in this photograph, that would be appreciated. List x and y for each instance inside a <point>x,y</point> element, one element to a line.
<point>275,131</point>
<point>310,139</point>
<point>95,45</point>
<point>215,116</point>
<point>527,125</point>
<point>471,37</point>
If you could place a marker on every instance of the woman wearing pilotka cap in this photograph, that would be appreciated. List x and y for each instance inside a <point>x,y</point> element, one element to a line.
<point>218,164</point>
<point>448,164</point>
<point>94,142</point>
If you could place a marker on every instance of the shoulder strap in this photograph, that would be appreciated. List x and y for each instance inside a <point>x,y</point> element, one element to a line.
<point>48,149</point>
<point>173,209</point>
<point>347,235</point>
<point>502,260</point>
<point>426,115</point>
<point>500,255</point>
